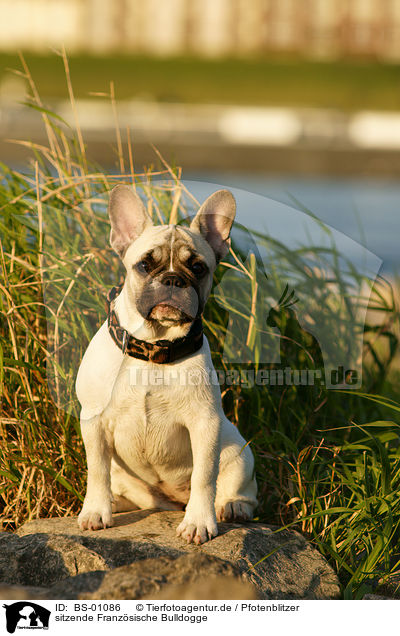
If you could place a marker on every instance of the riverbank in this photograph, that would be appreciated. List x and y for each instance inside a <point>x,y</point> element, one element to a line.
<point>215,137</point>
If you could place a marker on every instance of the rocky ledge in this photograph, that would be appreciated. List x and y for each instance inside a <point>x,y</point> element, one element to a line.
<point>141,557</point>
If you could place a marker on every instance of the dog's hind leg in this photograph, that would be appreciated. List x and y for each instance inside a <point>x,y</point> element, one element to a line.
<point>131,493</point>
<point>236,495</point>
<point>122,504</point>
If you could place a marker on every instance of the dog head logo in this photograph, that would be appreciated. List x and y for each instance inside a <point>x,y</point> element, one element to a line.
<point>26,615</point>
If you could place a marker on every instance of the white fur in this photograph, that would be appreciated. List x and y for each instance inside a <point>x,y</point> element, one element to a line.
<point>163,444</point>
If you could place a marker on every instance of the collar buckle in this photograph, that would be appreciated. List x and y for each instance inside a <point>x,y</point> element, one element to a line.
<point>125,338</point>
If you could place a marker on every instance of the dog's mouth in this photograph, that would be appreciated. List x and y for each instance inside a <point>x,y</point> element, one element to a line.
<point>169,305</point>
<point>164,312</point>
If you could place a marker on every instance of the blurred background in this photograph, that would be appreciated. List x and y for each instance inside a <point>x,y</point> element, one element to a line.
<point>299,101</point>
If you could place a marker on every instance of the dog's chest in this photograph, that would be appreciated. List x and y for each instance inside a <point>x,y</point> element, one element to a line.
<point>146,422</point>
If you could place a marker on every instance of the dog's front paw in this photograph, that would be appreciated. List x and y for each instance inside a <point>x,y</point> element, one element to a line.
<point>95,517</point>
<point>197,530</point>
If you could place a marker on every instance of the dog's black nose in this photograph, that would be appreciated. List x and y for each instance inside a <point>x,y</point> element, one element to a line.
<point>171,279</point>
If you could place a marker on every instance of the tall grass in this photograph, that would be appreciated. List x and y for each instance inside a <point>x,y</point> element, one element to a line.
<point>328,461</point>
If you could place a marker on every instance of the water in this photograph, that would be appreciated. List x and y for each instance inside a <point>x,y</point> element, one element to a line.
<point>367,211</point>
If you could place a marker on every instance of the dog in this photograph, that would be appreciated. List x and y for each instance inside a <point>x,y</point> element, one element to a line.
<point>153,438</point>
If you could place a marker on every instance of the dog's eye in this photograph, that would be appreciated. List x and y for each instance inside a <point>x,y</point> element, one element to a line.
<point>143,266</point>
<point>198,268</point>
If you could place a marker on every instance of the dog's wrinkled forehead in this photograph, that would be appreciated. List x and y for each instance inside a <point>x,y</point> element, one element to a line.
<point>173,249</point>
<point>169,246</point>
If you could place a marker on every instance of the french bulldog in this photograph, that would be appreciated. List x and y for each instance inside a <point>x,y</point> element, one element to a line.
<point>154,436</point>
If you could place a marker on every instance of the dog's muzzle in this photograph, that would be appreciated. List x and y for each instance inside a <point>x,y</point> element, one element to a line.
<point>172,290</point>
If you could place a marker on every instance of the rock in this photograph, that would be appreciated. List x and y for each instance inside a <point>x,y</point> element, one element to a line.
<point>22,592</point>
<point>375,597</point>
<point>42,559</point>
<point>149,579</point>
<point>389,588</point>
<point>220,588</point>
<point>141,557</point>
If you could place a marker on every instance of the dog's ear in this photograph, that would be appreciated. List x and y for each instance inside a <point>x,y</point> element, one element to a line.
<point>128,218</point>
<point>214,221</point>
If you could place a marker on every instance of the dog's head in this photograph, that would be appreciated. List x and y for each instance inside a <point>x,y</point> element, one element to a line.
<point>169,267</point>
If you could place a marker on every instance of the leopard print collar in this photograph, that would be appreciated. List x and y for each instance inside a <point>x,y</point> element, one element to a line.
<point>161,351</point>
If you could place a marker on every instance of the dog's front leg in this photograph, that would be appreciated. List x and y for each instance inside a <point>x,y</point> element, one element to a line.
<point>96,511</point>
<point>200,523</point>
